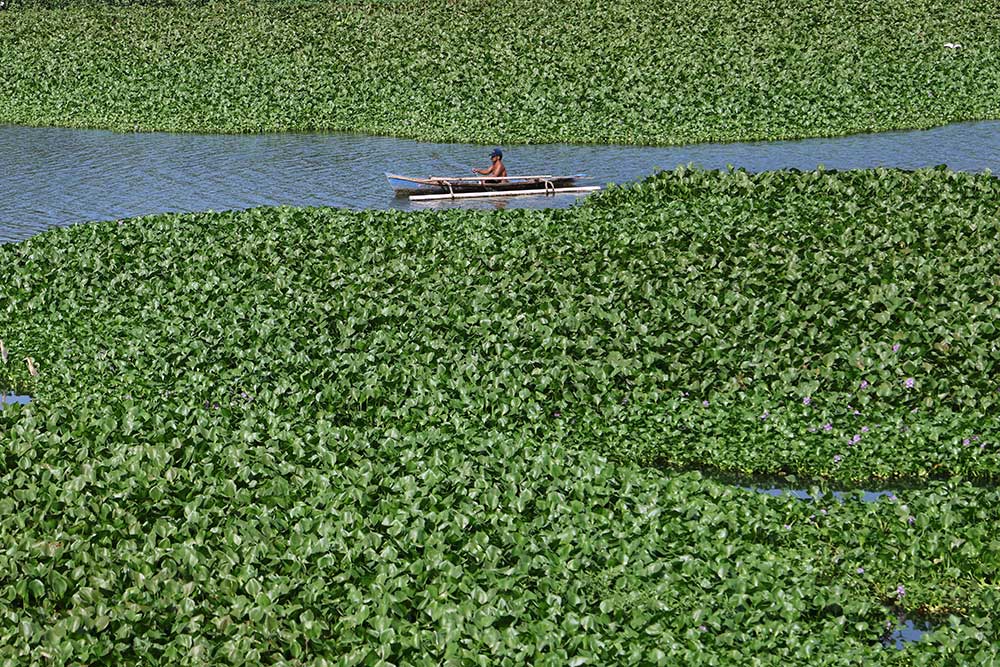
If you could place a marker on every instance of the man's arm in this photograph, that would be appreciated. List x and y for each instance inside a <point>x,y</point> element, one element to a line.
<point>495,169</point>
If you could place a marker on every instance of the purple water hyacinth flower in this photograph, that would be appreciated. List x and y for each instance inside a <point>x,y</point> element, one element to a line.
<point>900,591</point>
<point>966,442</point>
<point>895,348</point>
<point>823,511</point>
<point>909,383</point>
<point>703,628</point>
<point>856,439</point>
<point>911,519</point>
<point>806,400</point>
<point>827,427</point>
<point>705,403</point>
<point>864,384</point>
<point>837,458</point>
<point>788,526</point>
<point>864,429</point>
<point>861,570</point>
<point>765,415</point>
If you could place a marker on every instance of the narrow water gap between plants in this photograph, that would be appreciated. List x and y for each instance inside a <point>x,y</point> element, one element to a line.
<point>805,487</point>
<point>14,399</point>
<point>907,629</point>
<point>865,495</point>
<point>904,632</point>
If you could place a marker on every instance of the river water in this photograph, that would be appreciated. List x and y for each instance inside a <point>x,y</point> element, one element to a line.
<point>54,177</point>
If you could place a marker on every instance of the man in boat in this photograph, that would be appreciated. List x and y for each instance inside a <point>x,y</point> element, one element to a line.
<point>497,168</point>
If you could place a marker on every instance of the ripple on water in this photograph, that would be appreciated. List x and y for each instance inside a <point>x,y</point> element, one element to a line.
<point>58,176</point>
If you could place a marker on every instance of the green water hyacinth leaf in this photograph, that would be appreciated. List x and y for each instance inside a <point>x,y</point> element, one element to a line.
<point>293,436</point>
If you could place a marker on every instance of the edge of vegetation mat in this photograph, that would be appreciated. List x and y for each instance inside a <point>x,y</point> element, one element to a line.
<point>295,436</point>
<point>645,72</point>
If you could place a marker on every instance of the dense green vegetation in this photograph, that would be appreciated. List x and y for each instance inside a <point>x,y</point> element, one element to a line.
<point>288,435</point>
<point>621,71</point>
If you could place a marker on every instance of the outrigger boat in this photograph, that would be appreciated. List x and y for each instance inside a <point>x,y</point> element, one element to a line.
<point>448,187</point>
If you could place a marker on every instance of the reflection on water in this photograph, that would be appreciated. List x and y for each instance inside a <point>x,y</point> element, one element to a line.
<point>54,176</point>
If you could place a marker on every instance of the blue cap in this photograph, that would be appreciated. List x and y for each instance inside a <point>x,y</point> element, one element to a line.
<point>496,152</point>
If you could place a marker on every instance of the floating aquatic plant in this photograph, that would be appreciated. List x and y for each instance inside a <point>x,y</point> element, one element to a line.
<point>289,436</point>
<point>629,72</point>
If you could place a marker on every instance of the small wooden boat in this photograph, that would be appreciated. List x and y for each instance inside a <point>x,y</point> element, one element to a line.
<point>445,187</point>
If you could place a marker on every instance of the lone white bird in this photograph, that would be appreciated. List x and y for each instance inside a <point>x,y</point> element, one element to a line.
<point>32,371</point>
<point>949,45</point>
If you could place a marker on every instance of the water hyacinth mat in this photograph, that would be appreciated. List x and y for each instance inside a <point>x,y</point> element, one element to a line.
<point>518,71</point>
<point>295,436</point>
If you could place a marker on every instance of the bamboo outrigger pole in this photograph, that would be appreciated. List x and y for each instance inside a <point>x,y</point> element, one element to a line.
<point>506,193</point>
<point>487,178</point>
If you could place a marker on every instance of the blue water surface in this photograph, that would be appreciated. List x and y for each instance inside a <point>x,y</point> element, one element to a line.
<point>12,399</point>
<point>54,176</point>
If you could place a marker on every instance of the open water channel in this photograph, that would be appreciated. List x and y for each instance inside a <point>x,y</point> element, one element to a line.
<point>54,177</point>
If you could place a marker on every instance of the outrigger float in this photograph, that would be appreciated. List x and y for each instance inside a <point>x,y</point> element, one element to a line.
<point>448,187</point>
